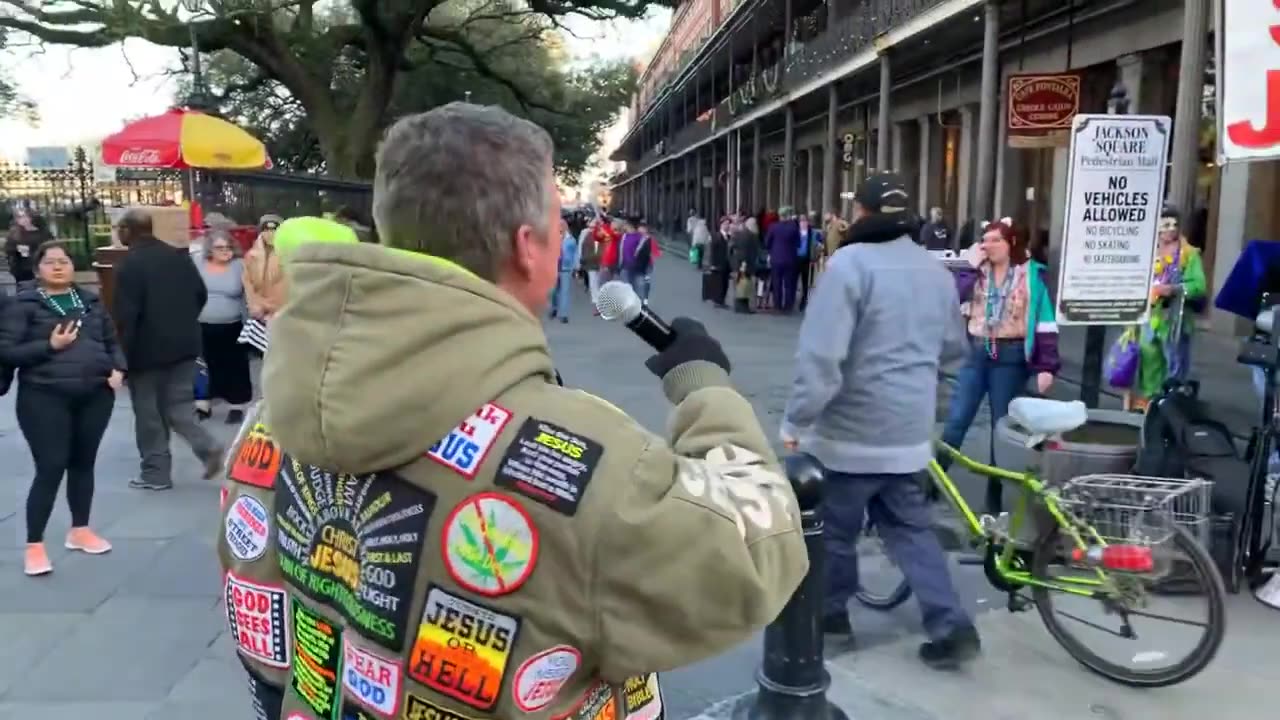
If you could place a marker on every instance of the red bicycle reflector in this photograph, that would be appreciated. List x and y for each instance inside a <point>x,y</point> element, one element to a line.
<point>1121,558</point>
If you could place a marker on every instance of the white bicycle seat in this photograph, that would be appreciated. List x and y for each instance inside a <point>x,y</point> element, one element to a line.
<point>1044,417</point>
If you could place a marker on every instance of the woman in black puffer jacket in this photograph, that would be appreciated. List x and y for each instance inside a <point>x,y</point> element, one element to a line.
<point>63,344</point>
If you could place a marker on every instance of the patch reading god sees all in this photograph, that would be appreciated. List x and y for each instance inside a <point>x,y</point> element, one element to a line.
<point>550,465</point>
<point>256,615</point>
<point>463,649</point>
<point>467,445</point>
<point>318,648</point>
<point>353,543</point>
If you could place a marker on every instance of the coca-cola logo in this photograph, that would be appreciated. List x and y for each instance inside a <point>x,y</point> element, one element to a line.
<point>134,156</point>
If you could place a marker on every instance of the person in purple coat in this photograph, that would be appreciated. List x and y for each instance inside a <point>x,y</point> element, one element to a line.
<point>783,242</point>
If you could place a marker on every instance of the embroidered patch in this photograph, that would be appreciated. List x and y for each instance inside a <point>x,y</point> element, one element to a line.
<point>737,484</point>
<point>258,459</point>
<point>418,709</point>
<point>642,698</point>
<point>598,703</point>
<point>353,543</point>
<point>256,616</point>
<point>371,679</point>
<point>539,678</point>
<point>351,711</point>
<point>463,649</point>
<point>550,465</point>
<point>489,544</point>
<point>247,528</point>
<point>318,648</point>
<point>467,445</point>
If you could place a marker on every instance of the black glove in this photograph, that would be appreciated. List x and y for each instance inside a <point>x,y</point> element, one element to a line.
<point>692,343</point>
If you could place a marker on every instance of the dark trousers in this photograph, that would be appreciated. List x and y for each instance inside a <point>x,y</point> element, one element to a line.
<point>162,403</point>
<point>227,361</point>
<point>63,432</point>
<point>999,380</point>
<point>802,281</point>
<point>782,279</point>
<point>896,505</point>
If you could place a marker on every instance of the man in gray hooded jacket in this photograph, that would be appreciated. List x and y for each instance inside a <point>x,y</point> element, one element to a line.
<point>883,318</point>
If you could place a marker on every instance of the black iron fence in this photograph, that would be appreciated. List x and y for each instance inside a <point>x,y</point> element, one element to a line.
<point>74,201</point>
<point>819,53</point>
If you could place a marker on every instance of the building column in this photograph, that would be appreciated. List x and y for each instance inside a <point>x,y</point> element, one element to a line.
<point>713,212</point>
<point>883,129</point>
<point>730,170</point>
<point>965,191</point>
<point>687,196</point>
<point>926,146</point>
<point>737,171</point>
<point>757,157</point>
<point>896,142</point>
<point>788,157</point>
<point>1184,154</point>
<point>811,180</point>
<point>990,101</point>
<point>830,199</point>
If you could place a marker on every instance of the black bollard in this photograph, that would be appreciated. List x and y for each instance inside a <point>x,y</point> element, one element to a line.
<point>792,680</point>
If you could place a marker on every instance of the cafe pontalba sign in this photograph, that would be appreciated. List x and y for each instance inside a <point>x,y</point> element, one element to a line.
<point>1248,80</point>
<point>1040,108</point>
<point>1115,190</point>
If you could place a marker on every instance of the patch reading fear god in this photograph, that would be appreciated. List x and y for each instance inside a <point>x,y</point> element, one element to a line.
<point>353,543</point>
<point>318,648</point>
<point>257,460</point>
<point>550,465</point>
<point>490,544</point>
<point>463,649</point>
<point>371,679</point>
<point>256,615</point>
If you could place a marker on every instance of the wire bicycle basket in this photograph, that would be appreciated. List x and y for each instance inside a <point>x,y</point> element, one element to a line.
<point>1134,509</point>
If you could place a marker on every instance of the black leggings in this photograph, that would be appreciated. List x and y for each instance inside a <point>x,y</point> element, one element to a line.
<point>63,432</point>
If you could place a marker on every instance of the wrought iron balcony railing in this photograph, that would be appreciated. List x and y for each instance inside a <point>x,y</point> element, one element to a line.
<point>803,62</point>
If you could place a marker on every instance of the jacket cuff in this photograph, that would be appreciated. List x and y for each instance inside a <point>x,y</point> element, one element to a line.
<point>791,430</point>
<point>690,376</point>
<point>1044,355</point>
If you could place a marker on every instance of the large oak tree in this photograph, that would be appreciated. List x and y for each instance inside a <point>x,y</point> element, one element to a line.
<point>319,51</point>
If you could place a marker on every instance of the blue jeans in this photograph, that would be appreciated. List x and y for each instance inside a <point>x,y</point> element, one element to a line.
<point>896,505</point>
<point>560,296</point>
<point>999,380</point>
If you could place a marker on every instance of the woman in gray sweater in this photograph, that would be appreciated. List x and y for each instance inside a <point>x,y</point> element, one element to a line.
<point>220,323</point>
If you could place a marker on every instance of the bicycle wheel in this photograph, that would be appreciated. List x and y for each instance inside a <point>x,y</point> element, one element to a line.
<point>881,585</point>
<point>1131,602</point>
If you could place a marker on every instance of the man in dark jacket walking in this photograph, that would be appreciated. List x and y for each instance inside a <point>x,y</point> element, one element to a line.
<point>158,298</point>
<point>783,240</point>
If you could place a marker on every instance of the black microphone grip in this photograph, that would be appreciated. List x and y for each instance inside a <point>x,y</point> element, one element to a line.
<point>652,329</point>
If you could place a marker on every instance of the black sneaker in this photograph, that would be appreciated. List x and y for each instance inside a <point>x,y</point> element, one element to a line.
<point>141,484</point>
<point>837,624</point>
<point>960,646</point>
<point>235,416</point>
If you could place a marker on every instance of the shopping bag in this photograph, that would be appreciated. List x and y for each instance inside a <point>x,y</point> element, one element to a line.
<point>254,334</point>
<point>695,255</point>
<point>1122,360</point>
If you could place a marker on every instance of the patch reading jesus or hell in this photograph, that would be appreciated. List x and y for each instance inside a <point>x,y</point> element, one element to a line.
<point>353,543</point>
<point>463,649</point>
<point>550,465</point>
<point>489,544</point>
<point>467,445</point>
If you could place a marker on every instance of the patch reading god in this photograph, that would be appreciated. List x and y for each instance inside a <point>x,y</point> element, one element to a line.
<point>353,543</point>
<point>258,459</point>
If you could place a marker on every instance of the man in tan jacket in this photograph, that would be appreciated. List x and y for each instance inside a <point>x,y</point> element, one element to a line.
<point>419,523</point>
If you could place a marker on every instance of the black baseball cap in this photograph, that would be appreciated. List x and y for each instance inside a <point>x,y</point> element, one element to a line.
<point>884,193</point>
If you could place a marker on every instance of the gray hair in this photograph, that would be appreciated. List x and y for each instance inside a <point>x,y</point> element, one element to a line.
<point>935,214</point>
<point>212,235</point>
<point>459,180</point>
<point>750,224</point>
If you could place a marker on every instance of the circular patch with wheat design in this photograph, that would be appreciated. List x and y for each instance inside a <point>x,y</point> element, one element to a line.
<point>489,544</point>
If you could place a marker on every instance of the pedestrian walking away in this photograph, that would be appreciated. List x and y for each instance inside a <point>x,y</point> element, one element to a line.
<point>880,323</point>
<point>494,453</point>
<point>158,299</point>
<point>782,240</point>
<point>69,366</point>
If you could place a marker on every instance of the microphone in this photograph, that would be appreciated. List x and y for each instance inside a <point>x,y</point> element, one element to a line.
<point>617,301</point>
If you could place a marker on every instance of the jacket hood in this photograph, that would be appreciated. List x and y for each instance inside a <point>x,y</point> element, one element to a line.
<point>378,353</point>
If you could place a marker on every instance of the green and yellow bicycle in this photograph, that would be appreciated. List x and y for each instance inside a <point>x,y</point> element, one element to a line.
<point>1115,543</point>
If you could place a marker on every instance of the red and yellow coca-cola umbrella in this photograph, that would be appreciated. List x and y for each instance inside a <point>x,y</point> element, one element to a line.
<point>184,139</point>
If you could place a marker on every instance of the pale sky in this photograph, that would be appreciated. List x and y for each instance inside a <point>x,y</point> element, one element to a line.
<point>86,94</point>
